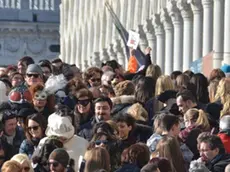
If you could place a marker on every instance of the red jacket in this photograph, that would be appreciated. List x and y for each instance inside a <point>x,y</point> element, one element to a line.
<point>225,138</point>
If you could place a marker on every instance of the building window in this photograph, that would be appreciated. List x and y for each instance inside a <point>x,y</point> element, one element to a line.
<point>55,48</point>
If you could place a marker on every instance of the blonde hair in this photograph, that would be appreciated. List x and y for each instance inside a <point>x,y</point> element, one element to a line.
<point>138,112</point>
<point>199,117</point>
<point>21,158</point>
<point>11,166</point>
<point>153,71</point>
<point>223,90</point>
<point>113,125</point>
<point>212,89</point>
<point>163,84</point>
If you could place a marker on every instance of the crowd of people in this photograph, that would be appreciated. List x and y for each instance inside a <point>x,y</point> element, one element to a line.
<point>55,117</point>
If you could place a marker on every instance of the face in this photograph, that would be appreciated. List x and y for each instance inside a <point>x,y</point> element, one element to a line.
<point>206,153</point>
<point>20,122</point>
<point>25,166</point>
<point>124,130</point>
<point>55,166</point>
<point>34,129</point>
<point>95,80</point>
<point>46,72</point>
<point>187,122</point>
<point>183,105</point>
<point>10,126</point>
<point>22,67</point>
<point>72,90</point>
<point>33,78</point>
<point>101,142</point>
<point>40,99</point>
<point>102,111</point>
<point>17,80</point>
<point>175,130</point>
<point>83,105</point>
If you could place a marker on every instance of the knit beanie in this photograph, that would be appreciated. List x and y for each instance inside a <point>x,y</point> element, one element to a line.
<point>61,156</point>
<point>34,68</point>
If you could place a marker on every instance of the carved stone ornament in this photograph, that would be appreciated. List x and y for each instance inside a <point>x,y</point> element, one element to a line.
<point>173,11</point>
<point>195,4</point>
<point>12,43</point>
<point>36,46</point>
<point>148,26</point>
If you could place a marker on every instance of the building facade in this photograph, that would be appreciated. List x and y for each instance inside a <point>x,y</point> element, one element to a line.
<point>178,31</point>
<point>29,27</point>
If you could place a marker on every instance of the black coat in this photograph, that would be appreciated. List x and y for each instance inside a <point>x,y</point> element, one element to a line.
<point>86,130</point>
<point>219,163</point>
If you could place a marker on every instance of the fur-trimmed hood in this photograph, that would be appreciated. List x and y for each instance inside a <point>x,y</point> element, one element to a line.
<point>124,99</point>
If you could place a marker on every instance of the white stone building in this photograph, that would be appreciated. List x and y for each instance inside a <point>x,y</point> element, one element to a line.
<point>28,27</point>
<point>178,31</point>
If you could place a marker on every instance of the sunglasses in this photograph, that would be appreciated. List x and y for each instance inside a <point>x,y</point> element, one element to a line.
<point>34,75</point>
<point>33,128</point>
<point>26,168</point>
<point>55,163</point>
<point>99,142</point>
<point>96,80</point>
<point>83,102</point>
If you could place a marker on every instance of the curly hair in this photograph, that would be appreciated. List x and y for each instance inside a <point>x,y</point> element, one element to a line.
<point>90,72</point>
<point>124,88</point>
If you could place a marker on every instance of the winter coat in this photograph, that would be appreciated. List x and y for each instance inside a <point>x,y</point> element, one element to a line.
<point>122,103</point>
<point>75,147</point>
<point>27,147</point>
<point>128,168</point>
<point>219,163</point>
<point>225,138</point>
<point>86,131</point>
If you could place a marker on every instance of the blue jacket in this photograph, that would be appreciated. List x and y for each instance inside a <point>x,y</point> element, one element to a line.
<point>128,168</point>
<point>27,148</point>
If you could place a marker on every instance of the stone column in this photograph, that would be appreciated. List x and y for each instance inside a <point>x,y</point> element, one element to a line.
<point>150,35</point>
<point>111,52</point>
<point>178,36</point>
<point>186,13</point>
<point>197,28</point>
<point>96,60</point>
<point>104,55</point>
<point>168,27</point>
<point>207,26</point>
<point>218,33</point>
<point>159,31</point>
<point>227,33</point>
<point>143,40</point>
<point>120,54</point>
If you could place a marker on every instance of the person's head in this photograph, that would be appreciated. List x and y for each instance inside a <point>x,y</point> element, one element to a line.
<point>212,89</point>
<point>23,63</point>
<point>10,122</point>
<point>174,75</point>
<point>153,71</point>
<point>117,68</point>
<point>24,161</point>
<point>22,115</point>
<point>189,73</point>
<point>168,147</point>
<point>162,163</point>
<point>138,112</point>
<point>92,76</point>
<point>107,91</point>
<point>58,160</point>
<point>95,92</point>
<point>46,67</point>
<point>103,107</point>
<point>216,74</point>
<point>163,83</point>
<point>11,166</point>
<point>16,79</point>
<point>210,147</point>
<point>39,95</point>
<point>60,126</point>
<point>157,123</point>
<point>181,81</point>
<point>196,166</point>
<point>150,167</point>
<point>223,90</point>
<point>196,117</point>
<point>185,100</point>
<point>97,158</point>
<point>170,124</point>
<point>225,122</point>
<point>84,101</point>
<point>124,88</point>
<point>138,155</point>
<point>227,168</point>
<point>201,84</point>
<point>107,78</point>
<point>125,123</point>
<point>100,140</point>
<point>34,75</point>
<point>35,126</point>
<point>144,89</point>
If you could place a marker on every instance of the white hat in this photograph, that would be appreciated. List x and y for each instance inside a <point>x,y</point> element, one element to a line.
<point>3,91</point>
<point>59,126</point>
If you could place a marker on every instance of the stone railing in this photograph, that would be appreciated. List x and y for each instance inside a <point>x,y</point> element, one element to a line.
<point>44,5</point>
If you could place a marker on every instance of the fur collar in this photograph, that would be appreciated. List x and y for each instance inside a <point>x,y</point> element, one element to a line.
<point>123,99</point>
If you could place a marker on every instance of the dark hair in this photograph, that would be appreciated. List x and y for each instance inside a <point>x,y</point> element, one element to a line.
<point>189,73</point>
<point>150,167</point>
<point>186,95</point>
<point>216,74</point>
<point>113,64</point>
<point>57,60</point>
<point>84,92</point>
<point>65,111</point>
<point>201,84</point>
<point>38,118</point>
<point>13,74</point>
<point>104,99</point>
<point>168,121</point>
<point>45,63</point>
<point>8,114</point>
<point>181,81</point>
<point>144,89</point>
<point>103,127</point>
<point>213,142</point>
<point>124,117</point>
<point>174,74</point>
<point>162,163</point>
<point>29,60</point>
<point>90,72</point>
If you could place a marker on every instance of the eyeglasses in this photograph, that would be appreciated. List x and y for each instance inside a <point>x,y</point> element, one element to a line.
<point>33,127</point>
<point>26,168</point>
<point>54,163</point>
<point>96,80</point>
<point>34,75</point>
<point>99,142</point>
<point>83,102</point>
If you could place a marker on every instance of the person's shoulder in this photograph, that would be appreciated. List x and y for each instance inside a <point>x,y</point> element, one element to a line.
<point>80,139</point>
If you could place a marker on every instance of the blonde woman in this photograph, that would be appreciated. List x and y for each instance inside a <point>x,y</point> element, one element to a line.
<point>11,166</point>
<point>196,122</point>
<point>164,83</point>
<point>24,161</point>
<point>153,71</point>
<point>212,89</point>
